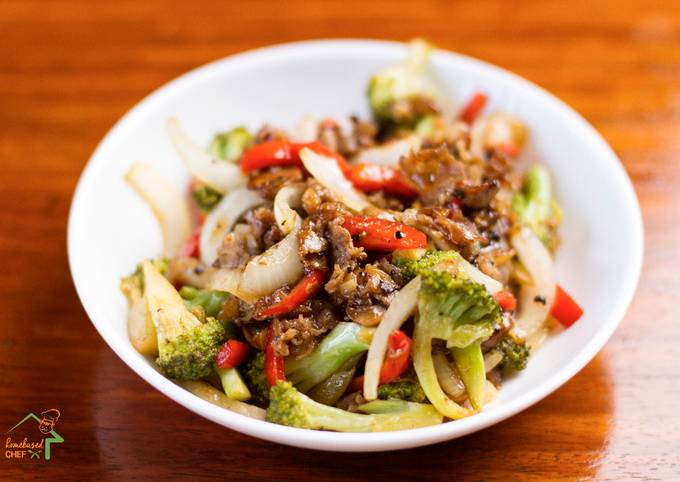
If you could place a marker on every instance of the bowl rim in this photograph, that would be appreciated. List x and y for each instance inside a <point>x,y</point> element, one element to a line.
<point>355,442</point>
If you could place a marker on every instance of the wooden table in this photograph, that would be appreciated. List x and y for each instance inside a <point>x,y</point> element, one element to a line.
<point>69,70</point>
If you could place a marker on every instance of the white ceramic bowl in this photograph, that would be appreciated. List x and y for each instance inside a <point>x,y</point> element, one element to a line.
<point>110,229</point>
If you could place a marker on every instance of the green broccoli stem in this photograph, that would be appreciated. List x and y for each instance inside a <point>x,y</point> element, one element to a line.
<point>345,341</point>
<point>290,407</point>
<point>535,205</point>
<point>470,362</point>
<point>424,367</point>
<point>211,301</point>
<point>206,197</point>
<point>332,388</point>
<point>232,384</point>
<point>230,145</point>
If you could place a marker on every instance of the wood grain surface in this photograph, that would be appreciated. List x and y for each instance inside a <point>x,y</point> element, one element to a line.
<point>69,70</point>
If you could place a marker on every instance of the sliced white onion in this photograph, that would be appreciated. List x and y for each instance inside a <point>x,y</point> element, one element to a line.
<point>263,274</point>
<point>402,307</point>
<point>168,206</point>
<point>448,378</point>
<point>494,130</point>
<point>220,175</point>
<point>287,198</point>
<point>277,266</point>
<point>306,131</point>
<point>536,299</point>
<point>492,359</point>
<point>389,153</point>
<point>326,170</point>
<point>210,394</point>
<point>221,220</point>
<point>492,286</point>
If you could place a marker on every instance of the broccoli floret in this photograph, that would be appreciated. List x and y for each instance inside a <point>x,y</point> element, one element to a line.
<point>132,286</point>
<point>210,300</point>
<point>413,262</point>
<point>515,355</point>
<point>536,207</point>
<point>256,381</point>
<point>230,145</point>
<point>399,84</point>
<point>455,309</point>
<point>408,391</point>
<point>186,346</point>
<point>290,407</point>
<point>206,197</point>
<point>345,341</point>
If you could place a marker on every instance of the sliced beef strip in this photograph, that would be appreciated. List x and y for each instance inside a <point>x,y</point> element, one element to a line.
<point>448,229</point>
<point>313,244</point>
<point>435,173</point>
<point>237,247</point>
<point>476,196</point>
<point>343,252</point>
<point>265,229</point>
<point>364,292</point>
<point>299,332</point>
<point>267,182</point>
<point>269,133</point>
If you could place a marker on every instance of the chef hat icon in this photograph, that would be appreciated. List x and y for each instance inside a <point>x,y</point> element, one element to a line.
<point>51,415</point>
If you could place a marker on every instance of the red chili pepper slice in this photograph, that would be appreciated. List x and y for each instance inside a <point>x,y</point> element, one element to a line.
<point>506,299</point>
<point>273,364</point>
<point>473,107</point>
<point>306,288</point>
<point>373,177</point>
<point>564,308</point>
<point>396,360</point>
<point>190,248</point>
<point>397,357</point>
<point>375,234</point>
<point>284,153</point>
<point>231,354</point>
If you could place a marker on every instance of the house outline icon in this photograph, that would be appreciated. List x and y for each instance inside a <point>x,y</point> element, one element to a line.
<point>56,438</point>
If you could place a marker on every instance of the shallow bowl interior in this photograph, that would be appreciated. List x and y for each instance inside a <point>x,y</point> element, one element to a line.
<point>110,228</point>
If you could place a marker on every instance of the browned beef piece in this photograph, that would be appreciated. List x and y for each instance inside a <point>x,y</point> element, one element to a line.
<point>435,173</point>
<point>407,111</point>
<point>476,196</point>
<point>343,252</point>
<point>238,247</point>
<point>320,201</point>
<point>267,182</point>
<point>364,292</point>
<point>331,136</point>
<point>299,332</point>
<point>265,229</point>
<point>313,244</point>
<point>384,201</point>
<point>499,331</point>
<point>496,262</point>
<point>269,133</point>
<point>363,134</point>
<point>448,229</point>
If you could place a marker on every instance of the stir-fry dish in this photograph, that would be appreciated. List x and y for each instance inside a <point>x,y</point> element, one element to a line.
<point>354,275</point>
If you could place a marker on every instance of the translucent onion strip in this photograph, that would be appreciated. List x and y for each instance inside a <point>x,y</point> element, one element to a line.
<point>326,170</point>
<point>168,206</point>
<point>535,300</point>
<point>286,199</point>
<point>402,307</point>
<point>492,286</point>
<point>278,266</point>
<point>222,218</point>
<point>389,153</point>
<point>220,175</point>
